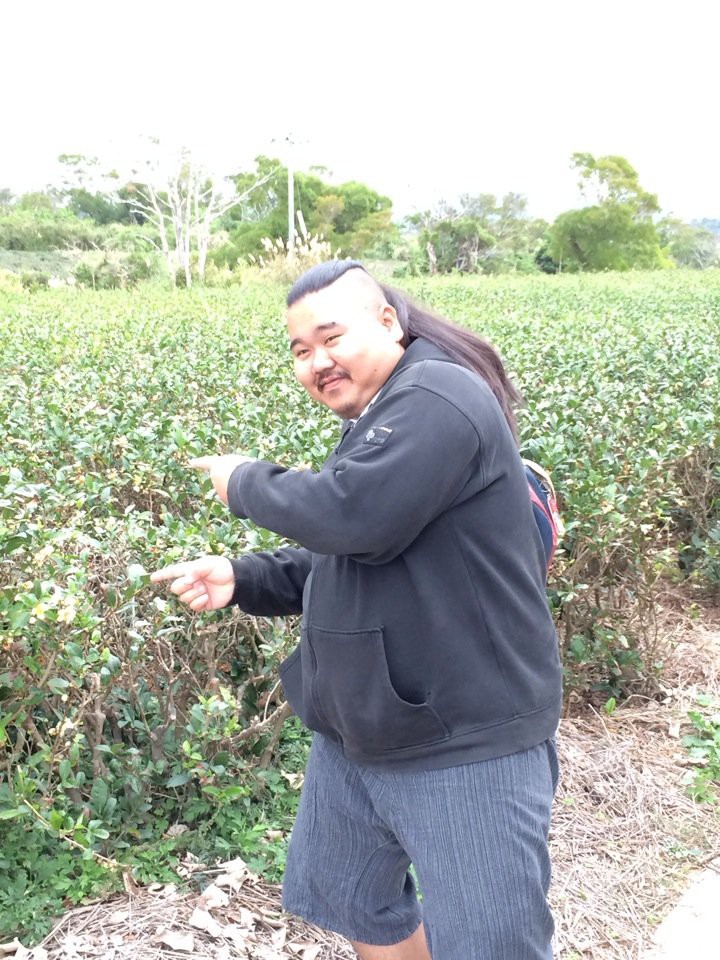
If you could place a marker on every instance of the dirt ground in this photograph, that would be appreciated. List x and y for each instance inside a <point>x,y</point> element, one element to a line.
<point>626,840</point>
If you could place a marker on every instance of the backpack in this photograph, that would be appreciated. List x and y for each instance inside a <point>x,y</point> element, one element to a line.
<point>545,509</point>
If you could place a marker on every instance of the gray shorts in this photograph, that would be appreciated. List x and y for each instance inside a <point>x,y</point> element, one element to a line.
<point>475,834</point>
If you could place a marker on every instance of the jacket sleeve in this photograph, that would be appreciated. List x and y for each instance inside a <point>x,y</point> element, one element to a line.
<point>413,458</point>
<point>271,584</point>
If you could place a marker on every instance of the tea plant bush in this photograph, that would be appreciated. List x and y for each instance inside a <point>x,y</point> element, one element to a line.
<point>133,731</point>
<point>703,783</point>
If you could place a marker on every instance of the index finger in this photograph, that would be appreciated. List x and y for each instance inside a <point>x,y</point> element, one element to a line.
<point>201,463</point>
<point>169,573</point>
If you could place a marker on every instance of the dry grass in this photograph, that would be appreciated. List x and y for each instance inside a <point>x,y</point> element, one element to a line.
<point>625,839</point>
<point>625,835</point>
<point>160,922</point>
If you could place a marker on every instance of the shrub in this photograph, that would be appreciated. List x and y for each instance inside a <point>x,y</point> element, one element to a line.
<point>111,270</point>
<point>278,265</point>
<point>10,282</point>
<point>34,280</point>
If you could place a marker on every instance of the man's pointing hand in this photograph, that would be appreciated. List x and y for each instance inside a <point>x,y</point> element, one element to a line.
<point>204,584</point>
<point>220,469</point>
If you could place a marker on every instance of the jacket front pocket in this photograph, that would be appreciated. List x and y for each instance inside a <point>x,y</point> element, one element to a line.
<point>351,691</point>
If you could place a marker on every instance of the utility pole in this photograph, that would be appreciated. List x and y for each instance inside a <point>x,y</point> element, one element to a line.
<point>291,204</point>
<point>288,151</point>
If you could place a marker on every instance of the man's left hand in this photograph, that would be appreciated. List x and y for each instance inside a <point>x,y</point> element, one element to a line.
<point>220,468</point>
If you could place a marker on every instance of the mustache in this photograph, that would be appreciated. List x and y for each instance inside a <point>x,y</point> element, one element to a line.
<point>335,375</point>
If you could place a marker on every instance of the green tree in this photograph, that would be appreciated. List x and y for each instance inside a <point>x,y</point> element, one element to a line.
<point>35,202</point>
<point>605,237</point>
<point>97,206</point>
<point>617,231</point>
<point>91,193</point>
<point>613,179</point>
<point>352,216</point>
<point>374,235</point>
<point>483,234</point>
<point>688,245</point>
<point>327,209</point>
<point>359,202</point>
<point>455,244</point>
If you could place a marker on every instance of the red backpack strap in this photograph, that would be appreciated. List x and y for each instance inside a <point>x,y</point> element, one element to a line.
<point>550,507</point>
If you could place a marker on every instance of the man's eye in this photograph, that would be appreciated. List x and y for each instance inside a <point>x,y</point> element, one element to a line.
<point>301,354</point>
<point>333,336</point>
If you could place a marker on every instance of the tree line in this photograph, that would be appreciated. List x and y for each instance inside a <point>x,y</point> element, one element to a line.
<point>171,213</point>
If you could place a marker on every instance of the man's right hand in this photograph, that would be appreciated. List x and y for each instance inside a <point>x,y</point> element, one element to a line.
<point>204,584</point>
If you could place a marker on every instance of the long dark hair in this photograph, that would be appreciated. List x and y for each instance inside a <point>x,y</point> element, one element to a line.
<point>465,348</point>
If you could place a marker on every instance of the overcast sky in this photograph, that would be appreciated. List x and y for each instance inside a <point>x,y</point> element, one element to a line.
<point>420,101</point>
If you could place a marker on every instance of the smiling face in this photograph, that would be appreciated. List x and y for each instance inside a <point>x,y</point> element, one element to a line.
<point>346,342</point>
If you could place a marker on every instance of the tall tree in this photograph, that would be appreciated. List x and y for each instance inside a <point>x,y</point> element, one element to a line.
<point>690,246</point>
<point>617,231</point>
<point>613,179</point>
<point>481,234</point>
<point>89,191</point>
<point>183,200</point>
<point>351,216</point>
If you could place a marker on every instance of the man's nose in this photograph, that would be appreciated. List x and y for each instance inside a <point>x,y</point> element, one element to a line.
<point>322,360</point>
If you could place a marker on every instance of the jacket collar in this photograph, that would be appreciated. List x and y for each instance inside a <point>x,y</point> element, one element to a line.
<point>419,350</point>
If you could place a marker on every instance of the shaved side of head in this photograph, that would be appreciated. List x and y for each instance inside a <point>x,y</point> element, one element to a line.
<point>364,290</point>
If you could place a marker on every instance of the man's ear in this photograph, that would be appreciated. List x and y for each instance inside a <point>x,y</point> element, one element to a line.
<point>390,321</point>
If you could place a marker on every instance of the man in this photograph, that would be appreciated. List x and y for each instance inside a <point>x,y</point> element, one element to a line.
<point>428,665</point>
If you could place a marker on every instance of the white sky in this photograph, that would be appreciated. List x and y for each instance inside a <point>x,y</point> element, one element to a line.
<point>421,101</point>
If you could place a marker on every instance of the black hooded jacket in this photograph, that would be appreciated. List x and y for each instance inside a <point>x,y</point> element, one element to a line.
<point>427,640</point>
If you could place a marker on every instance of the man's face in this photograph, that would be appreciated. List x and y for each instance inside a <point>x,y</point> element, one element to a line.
<point>346,342</point>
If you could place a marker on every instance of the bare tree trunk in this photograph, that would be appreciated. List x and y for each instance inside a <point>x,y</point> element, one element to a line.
<point>203,231</point>
<point>151,208</point>
<point>188,213</point>
<point>187,222</point>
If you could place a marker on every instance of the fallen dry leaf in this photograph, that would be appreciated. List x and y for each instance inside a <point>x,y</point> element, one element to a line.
<point>176,830</point>
<point>224,953</point>
<point>294,779</point>
<point>190,864</point>
<point>213,897</point>
<point>38,953</point>
<point>119,916</point>
<point>240,936</point>
<point>237,865</point>
<point>234,875</point>
<point>305,949</point>
<point>9,948</point>
<point>202,920</point>
<point>266,953</point>
<point>244,918</point>
<point>178,941</point>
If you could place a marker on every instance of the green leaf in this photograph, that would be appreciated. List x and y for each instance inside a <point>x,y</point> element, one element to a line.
<point>19,619</point>
<point>137,572</point>
<point>178,780</point>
